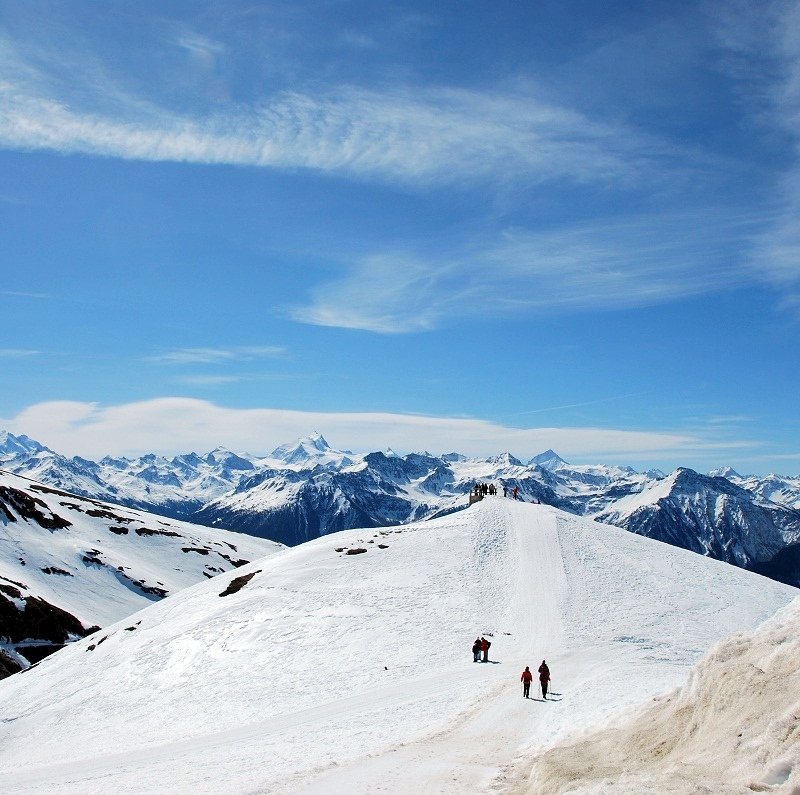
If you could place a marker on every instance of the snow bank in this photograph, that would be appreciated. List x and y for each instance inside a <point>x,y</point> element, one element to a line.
<point>733,727</point>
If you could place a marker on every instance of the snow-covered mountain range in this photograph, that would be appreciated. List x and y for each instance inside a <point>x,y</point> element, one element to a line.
<point>344,664</point>
<point>306,489</point>
<point>69,565</point>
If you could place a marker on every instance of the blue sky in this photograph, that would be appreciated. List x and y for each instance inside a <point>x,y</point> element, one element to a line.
<point>474,226</point>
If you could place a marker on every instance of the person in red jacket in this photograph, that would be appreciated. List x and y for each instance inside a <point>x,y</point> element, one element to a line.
<point>526,678</point>
<point>485,648</point>
<point>544,678</point>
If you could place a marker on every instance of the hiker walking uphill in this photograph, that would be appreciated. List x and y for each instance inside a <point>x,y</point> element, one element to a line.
<point>526,679</point>
<point>544,678</point>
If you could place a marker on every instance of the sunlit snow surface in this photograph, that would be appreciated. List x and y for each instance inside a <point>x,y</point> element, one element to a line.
<point>107,557</point>
<point>330,672</point>
<point>733,727</point>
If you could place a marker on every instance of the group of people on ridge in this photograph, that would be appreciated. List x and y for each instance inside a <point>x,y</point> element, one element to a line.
<point>527,678</point>
<point>483,489</point>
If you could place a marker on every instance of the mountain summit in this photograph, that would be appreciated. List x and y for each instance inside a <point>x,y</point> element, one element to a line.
<point>549,459</point>
<point>11,446</point>
<point>305,449</point>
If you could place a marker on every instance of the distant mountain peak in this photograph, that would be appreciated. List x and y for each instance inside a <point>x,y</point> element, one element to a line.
<point>222,456</point>
<point>724,472</point>
<point>304,449</point>
<point>505,459</point>
<point>9,443</point>
<point>549,459</point>
<point>318,440</point>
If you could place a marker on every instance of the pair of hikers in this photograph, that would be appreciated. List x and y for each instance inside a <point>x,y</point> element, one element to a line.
<point>481,645</point>
<point>527,677</point>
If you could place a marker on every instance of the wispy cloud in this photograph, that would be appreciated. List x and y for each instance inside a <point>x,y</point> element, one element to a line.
<point>21,294</point>
<point>218,355</point>
<point>197,44</point>
<point>403,134</point>
<point>763,45</point>
<point>211,380</point>
<point>730,419</point>
<point>172,425</point>
<point>17,353</point>
<point>599,401</point>
<point>643,261</point>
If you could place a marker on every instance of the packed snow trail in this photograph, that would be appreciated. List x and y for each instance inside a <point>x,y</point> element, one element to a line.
<point>336,672</point>
<point>732,727</point>
<point>468,753</point>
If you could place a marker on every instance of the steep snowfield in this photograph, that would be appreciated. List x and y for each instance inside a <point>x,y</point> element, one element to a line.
<point>733,727</point>
<point>102,562</point>
<point>328,672</point>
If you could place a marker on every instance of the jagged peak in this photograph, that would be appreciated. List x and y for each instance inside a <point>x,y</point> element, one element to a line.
<point>318,440</point>
<point>450,457</point>
<point>11,443</point>
<point>505,459</point>
<point>305,449</point>
<point>227,458</point>
<point>549,459</point>
<point>724,472</point>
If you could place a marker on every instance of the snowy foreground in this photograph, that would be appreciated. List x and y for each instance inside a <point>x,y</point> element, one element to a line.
<point>733,727</point>
<point>328,672</point>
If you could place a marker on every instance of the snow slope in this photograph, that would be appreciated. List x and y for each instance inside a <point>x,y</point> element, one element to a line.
<point>733,727</point>
<point>334,672</point>
<point>96,561</point>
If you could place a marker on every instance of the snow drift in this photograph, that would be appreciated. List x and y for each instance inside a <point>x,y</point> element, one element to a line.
<point>344,664</point>
<point>733,727</point>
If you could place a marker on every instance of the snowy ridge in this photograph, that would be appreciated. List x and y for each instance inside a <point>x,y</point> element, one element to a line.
<point>344,664</point>
<point>68,564</point>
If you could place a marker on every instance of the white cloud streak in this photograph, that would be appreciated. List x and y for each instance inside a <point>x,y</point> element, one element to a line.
<point>640,262</point>
<point>19,294</point>
<point>17,353</point>
<point>218,355</point>
<point>764,45</point>
<point>188,424</point>
<point>435,136</point>
<point>407,135</point>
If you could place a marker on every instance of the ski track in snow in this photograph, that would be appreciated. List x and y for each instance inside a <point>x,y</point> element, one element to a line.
<point>282,687</point>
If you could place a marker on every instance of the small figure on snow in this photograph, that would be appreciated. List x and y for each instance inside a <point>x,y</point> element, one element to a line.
<point>476,650</point>
<point>526,679</point>
<point>516,492</point>
<point>544,678</point>
<point>485,648</point>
